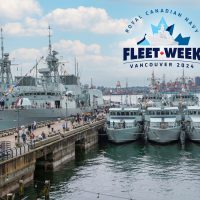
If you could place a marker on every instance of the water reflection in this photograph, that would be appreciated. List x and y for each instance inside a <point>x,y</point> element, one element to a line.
<point>134,170</point>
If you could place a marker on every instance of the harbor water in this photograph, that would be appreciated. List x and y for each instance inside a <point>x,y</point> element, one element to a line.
<point>138,170</point>
<point>130,171</point>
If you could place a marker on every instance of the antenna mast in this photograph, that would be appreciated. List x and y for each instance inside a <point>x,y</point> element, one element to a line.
<point>2,48</point>
<point>49,39</point>
<point>77,68</point>
<point>75,64</point>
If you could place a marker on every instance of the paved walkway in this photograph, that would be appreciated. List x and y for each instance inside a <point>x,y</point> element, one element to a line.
<point>57,126</point>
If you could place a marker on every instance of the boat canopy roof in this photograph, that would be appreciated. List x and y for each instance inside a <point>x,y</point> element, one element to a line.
<point>193,107</point>
<point>159,108</point>
<point>153,108</point>
<point>124,109</point>
<point>171,108</point>
<point>122,120</point>
<point>168,119</point>
<point>195,118</point>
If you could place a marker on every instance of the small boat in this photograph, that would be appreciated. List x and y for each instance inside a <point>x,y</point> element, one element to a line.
<point>162,124</point>
<point>192,118</point>
<point>124,124</point>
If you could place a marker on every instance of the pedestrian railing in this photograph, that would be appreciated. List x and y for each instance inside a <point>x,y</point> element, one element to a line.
<point>14,152</point>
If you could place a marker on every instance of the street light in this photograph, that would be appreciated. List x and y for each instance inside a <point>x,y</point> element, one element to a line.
<point>66,109</point>
<point>18,137</point>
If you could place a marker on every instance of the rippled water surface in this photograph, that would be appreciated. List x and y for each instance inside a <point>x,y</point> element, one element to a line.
<point>129,171</point>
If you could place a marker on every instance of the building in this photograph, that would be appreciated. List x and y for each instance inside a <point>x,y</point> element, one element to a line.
<point>197,81</point>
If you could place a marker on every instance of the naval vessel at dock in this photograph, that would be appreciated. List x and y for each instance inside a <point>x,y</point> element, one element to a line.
<point>48,95</point>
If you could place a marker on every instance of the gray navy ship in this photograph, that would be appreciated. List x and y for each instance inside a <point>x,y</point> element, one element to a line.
<point>49,95</point>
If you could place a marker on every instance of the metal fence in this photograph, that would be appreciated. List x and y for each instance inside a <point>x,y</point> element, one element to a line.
<point>14,152</point>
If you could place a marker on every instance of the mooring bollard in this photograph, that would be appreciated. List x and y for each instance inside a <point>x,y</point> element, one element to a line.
<point>46,189</point>
<point>10,196</point>
<point>21,189</point>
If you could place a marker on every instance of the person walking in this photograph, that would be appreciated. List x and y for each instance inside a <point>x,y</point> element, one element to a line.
<point>43,135</point>
<point>34,125</point>
<point>32,137</point>
<point>24,137</point>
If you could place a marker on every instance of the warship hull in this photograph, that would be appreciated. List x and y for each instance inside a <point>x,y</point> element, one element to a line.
<point>11,118</point>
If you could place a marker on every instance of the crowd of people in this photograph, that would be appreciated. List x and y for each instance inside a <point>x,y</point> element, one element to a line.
<point>28,134</point>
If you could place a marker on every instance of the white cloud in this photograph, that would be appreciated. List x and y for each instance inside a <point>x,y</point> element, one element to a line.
<point>64,47</point>
<point>93,19</point>
<point>25,54</point>
<point>76,47</point>
<point>128,43</point>
<point>19,29</point>
<point>67,49</point>
<point>90,19</point>
<point>17,9</point>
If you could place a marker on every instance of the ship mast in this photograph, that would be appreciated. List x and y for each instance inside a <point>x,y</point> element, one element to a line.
<point>77,69</point>
<point>5,65</point>
<point>126,100</point>
<point>49,40</point>
<point>1,72</point>
<point>2,47</point>
<point>154,84</point>
<point>75,65</point>
<point>52,74</point>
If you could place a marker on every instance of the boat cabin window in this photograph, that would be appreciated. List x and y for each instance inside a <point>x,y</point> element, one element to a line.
<point>122,113</point>
<point>122,124</point>
<point>112,113</point>
<point>196,124</point>
<point>174,112</point>
<point>193,112</point>
<point>154,124</point>
<point>126,113</point>
<point>151,112</point>
<point>163,125</point>
<point>118,113</point>
<point>158,112</point>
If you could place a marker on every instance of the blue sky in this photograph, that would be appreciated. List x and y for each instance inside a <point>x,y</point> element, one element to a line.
<point>93,31</point>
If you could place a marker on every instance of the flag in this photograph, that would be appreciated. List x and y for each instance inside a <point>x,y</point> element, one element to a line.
<point>19,101</point>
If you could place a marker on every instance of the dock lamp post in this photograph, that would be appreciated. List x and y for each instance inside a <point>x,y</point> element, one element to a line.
<point>18,137</point>
<point>66,109</point>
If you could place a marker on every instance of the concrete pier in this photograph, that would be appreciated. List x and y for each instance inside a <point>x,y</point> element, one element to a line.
<point>48,153</point>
